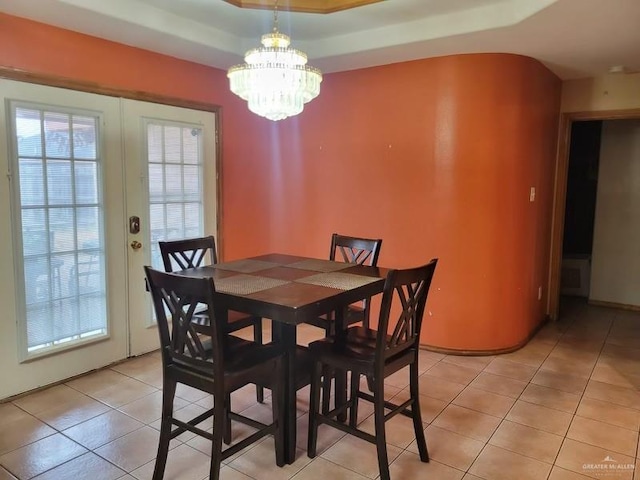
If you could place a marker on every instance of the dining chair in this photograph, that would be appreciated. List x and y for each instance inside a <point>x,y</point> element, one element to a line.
<point>376,354</point>
<point>195,252</point>
<point>211,361</point>
<point>359,251</point>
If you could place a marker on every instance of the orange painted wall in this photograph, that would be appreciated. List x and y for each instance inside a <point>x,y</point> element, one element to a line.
<point>435,156</point>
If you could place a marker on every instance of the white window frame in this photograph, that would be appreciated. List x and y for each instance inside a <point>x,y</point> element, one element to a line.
<point>16,226</point>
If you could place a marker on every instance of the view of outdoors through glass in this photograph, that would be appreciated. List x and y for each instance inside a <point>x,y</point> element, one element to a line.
<point>61,213</point>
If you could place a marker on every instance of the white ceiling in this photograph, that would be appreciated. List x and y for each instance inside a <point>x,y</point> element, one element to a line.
<point>574,38</point>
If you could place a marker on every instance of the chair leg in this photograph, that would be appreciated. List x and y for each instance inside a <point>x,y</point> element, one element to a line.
<point>381,441</point>
<point>226,435</point>
<point>168,394</point>
<point>340,396</point>
<point>220,419</point>
<point>355,389</point>
<point>415,412</point>
<point>327,373</point>
<point>314,400</point>
<point>257,337</point>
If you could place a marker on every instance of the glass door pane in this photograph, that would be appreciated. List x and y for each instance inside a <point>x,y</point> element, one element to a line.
<point>61,224</point>
<point>175,166</point>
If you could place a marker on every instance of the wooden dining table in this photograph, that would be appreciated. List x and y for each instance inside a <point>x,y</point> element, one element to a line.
<point>289,290</point>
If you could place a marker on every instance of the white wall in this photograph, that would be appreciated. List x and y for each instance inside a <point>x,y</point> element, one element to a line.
<point>615,268</point>
<point>618,91</point>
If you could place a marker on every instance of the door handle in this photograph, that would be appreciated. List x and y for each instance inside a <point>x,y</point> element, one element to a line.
<point>136,245</point>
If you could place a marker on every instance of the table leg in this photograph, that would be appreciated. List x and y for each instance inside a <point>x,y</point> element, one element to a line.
<point>286,335</point>
<point>341,375</point>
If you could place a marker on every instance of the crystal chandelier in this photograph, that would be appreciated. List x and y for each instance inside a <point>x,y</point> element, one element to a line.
<point>275,81</point>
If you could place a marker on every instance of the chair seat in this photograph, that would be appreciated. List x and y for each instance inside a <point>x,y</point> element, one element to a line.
<point>241,354</point>
<point>358,347</point>
<point>355,314</point>
<point>235,321</point>
<point>359,344</point>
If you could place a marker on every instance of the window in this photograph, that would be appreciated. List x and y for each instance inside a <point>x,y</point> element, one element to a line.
<point>59,215</point>
<point>175,183</point>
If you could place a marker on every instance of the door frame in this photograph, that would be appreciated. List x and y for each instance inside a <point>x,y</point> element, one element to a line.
<point>89,87</point>
<point>560,192</point>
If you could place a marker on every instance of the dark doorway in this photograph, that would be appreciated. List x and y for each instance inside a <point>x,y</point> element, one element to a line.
<point>582,187</point>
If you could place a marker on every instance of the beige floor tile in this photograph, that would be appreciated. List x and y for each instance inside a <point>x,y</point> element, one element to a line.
<point>468,361</point>
<point>143,368</point>
<point>495,463</point>
<point>183,463</point>
<point>321,469</point>
<point>583,353</point>
<point>111,388</point>
<point>358,455</point>
<point>612,393</point>
<point>558,473</point>
<point>133,450</point>
<point>609,413</point>
<point>400,379</point>
<point>450,448</point>
<point>327,436</point>
<point>468,476</point>
<point>408,465</point>
<point>483,401</point>
<point>399,430</point>
<point>102,429</point>
<point>532,354</point>
<point>594,462</point>
<point>89,466</point>
<point>430,407</point>
<point>65,416</point>
<point>190,394</point>
<point>603,435</point>
<point>527,441</point>
<point>567,367</point>
<point>550,397</point>
<point>542,418</point>
<point>185,414</point>
<point>453,373</point>
<point>438,388</point>
<point>606,372</point>
<point>20,428</point>
<point>427,359</point>
<point>560,381</point>
<point>507,368</point>
<point>148,409</point>
<point>259,462</point>
<point>499,384</point>
<point>6,475</point>
<point>228,473</point>
<point>467,422</point>
<point>38,457</point>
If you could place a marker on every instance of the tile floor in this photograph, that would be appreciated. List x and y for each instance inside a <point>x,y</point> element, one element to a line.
<point>564,407</point>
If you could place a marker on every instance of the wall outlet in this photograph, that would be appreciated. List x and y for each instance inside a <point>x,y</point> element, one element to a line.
<point>540,292</point>
<point>532,194</point>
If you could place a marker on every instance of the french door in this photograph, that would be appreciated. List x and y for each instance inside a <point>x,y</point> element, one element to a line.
<point>79,167</point>
<point>171,189</point>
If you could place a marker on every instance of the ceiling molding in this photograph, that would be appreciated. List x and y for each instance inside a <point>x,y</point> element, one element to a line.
<point>302,6</point>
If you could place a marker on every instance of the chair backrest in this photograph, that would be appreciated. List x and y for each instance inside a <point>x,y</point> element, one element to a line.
<point>363,251</point>
<point>188,253</point>
<point>410,288</point>
<point>176,299</point>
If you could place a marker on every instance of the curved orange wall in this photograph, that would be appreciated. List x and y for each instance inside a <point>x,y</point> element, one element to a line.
<point>437,157</point>
<point>434,156</point>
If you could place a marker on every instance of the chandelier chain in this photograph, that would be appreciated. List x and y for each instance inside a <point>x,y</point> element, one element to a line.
<point>275,16</point>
